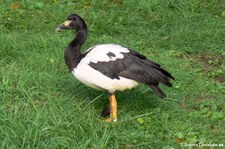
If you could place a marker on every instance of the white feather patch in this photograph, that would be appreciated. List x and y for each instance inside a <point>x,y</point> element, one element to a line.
<point>97,80</point>
<point>99,53</point>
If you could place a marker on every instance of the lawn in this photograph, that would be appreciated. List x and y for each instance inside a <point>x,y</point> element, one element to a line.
<point>43,106</point>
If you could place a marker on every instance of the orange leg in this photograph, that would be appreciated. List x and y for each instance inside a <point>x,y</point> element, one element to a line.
<point>113,109</point>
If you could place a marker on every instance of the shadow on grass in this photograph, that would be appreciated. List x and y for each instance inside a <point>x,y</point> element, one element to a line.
<point>137,100</point>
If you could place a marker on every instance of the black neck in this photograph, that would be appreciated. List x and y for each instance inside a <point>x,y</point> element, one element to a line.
<point>73,54</point>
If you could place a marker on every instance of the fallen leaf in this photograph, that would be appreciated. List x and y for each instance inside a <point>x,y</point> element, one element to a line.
<point>15,6</point>
<point>180,140</point>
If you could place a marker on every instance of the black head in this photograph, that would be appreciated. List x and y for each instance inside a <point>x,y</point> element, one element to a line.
<point>73,21</point>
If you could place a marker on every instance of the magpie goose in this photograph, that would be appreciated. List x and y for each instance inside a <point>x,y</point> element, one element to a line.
<point>110,67</point>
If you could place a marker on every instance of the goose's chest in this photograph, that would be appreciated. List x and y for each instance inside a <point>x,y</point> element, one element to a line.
<point>87,75</point>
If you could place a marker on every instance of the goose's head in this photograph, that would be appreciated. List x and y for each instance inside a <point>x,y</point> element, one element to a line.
<point>74,22</point>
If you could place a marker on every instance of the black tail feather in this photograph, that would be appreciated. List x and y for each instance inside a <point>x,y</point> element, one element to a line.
<point>166,73</point>
<point>155,71</point>
<point>158,91</point>
<point>166,82</point>
<point>164,77</point>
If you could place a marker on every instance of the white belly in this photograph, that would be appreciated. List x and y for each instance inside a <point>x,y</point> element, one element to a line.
<point>95,79</point>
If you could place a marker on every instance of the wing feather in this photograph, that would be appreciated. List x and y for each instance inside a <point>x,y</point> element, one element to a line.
<point>129,64</point>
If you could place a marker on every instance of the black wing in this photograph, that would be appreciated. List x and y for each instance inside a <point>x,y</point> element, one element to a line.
<point>137,67</point>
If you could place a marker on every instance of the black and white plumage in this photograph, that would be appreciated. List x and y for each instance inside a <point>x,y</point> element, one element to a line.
<point>110,67</point>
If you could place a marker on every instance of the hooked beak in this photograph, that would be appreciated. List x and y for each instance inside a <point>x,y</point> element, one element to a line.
<point>65,25</point>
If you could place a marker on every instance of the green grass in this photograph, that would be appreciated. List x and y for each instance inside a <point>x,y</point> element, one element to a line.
<point>43,106</point>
